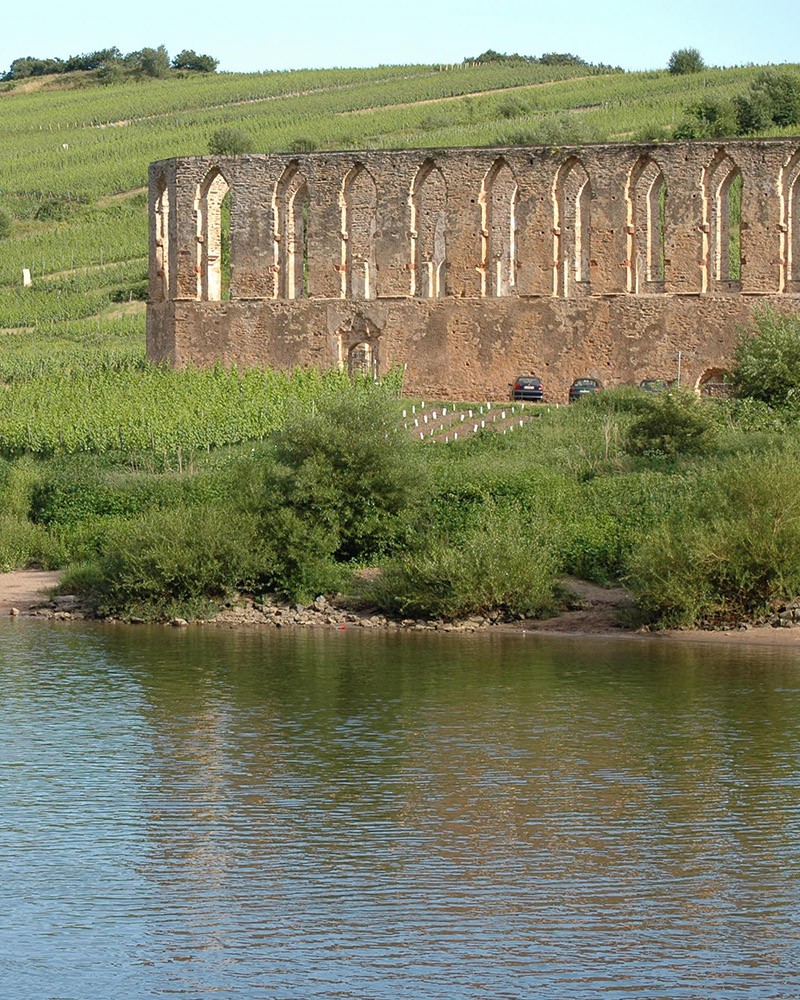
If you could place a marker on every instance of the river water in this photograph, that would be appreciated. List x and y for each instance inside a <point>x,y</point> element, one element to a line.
<point>342,814</point>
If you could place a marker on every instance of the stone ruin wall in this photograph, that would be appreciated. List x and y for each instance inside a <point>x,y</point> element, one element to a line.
<point>471,266</point>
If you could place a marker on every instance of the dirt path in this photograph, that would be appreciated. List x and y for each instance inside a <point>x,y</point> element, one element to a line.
<point>472,93</point>
<point>23,588</point>
<point>594,610</point>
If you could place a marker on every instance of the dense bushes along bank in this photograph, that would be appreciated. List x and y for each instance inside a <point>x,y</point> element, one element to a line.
<point>694,506</point>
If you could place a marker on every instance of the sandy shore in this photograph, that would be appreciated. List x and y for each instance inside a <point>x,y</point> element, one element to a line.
<point>594,614</point>
<point>25,588</point>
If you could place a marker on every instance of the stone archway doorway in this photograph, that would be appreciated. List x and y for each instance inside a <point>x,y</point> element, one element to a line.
<point>362,359</point>
<point>713,382</point>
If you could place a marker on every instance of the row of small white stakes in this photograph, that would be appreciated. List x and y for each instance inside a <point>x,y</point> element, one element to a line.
<point>479,416</point>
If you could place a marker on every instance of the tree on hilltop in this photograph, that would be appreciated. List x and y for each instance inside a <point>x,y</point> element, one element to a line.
<point>154,62</point>
<point>189,59</point>
<point>684,61</point>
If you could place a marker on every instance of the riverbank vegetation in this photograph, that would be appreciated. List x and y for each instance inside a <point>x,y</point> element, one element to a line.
<point>693,505</point>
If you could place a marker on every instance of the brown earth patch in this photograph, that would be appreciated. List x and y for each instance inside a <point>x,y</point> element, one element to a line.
<point>23,589</point>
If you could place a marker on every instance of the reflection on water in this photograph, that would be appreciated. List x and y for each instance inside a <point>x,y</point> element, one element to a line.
<point>338,814</point>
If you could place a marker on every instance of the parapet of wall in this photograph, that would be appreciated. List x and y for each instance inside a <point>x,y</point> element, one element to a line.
<point>471,266</point>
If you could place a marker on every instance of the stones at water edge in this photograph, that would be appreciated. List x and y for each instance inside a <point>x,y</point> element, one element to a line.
<point>14,612</point>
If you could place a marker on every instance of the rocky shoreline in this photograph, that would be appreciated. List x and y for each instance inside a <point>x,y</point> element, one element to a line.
<point>587,616</point>
<point>593,611</point>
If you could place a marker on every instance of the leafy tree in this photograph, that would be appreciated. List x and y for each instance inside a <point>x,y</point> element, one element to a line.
<point>230,141</point>
<point>154,62</point>
<point>31,66</point>
<point>773,98</point>
<point>113,73</point>
<point>685,61</point>
<point>490,55</point>
<point>709,119</point>
<point>561,59</point>
<point>336,489</point>
<point>767,358</point>
<point>93,60</point>
<point>189,59</point>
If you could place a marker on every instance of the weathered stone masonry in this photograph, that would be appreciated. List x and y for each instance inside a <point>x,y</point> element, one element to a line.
<point>471,266</point>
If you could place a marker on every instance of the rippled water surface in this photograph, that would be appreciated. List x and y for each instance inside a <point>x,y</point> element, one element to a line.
<point>345,814</point>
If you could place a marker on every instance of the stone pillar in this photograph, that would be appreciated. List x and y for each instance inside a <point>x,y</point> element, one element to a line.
<point>189,174</point>
<point>608,169</point>
<point>760,165</point>
<point>394,175</point>
<point>535,174</point>
<point>326,174</point>
<point>682,167</point>
<point>463,177</point>
<point>252,187</point>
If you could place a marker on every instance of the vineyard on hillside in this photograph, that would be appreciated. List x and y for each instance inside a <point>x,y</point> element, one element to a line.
<point>73,169</point>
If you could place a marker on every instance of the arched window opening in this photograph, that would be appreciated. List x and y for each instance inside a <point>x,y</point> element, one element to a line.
<point>212,236</point>
<point>498,201</point>
<point>162,240</point>
<point>714,383</point>
<point>428,232</point>
<point>362,359</point>
<point>572,229</point>
<point>790,225</point>
<point>722,203</point>
<point>358,205</point>
<point>291,215</point>
<point>647,201</point>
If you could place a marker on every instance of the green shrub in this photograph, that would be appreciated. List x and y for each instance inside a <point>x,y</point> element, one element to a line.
<point>621,399</point>
<point>24,544</point>
<point>767,358</point>
<point>68,496</point>
<point>343,471</point>
<point>18,483</point>
<point>500,565</point>
<point>773,98</point>
<point>610,516</point>
<point>711,118</point>
<point>302,145</point>
<point>675,423</point>
<point>176,562</point>
<point>729,553</point>
<point>230,141</point>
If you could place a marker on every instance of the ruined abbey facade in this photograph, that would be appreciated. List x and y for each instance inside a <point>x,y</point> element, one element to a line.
<point>471,266</point>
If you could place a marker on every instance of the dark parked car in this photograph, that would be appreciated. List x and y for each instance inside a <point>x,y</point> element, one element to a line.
<point>653,385</point>
<point>582,387</point>
<point>527,388</point>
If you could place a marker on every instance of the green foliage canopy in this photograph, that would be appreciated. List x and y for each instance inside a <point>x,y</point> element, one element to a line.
<point>229,141</point>
<point>191,60</point>
<point>767,358</point>
<point>684,61</point>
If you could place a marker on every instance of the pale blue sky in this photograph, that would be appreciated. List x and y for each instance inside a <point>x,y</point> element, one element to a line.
<point>249,35</point>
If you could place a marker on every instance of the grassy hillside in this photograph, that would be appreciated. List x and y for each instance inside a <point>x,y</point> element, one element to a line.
<point>73,162</point>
